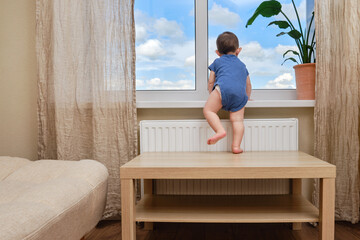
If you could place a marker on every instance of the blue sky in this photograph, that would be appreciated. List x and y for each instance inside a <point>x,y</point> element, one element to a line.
<point>165,42</point>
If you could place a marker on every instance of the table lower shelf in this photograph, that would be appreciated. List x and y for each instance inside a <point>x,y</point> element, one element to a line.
<point>226,209</point>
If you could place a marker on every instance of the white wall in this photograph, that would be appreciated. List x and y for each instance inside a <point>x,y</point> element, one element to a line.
<point>18,120</point>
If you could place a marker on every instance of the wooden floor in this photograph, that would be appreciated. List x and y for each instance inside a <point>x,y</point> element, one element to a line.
<point>111,230</point>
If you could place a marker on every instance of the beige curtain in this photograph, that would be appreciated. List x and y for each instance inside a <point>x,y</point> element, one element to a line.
<point>86,66</point>
<point>338,98</point>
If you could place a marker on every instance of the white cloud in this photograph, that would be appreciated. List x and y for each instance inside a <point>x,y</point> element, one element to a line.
<point>141,33</point>
<point>142,29</point>
<point>157,83</point>
<point>141,17</point>
<point>181,53</point>
<point>253,50</point>
<point>283,81</point>
<point>140,83</point>
<point>190,61</point>
<point>152,49</point>
<point>171,29</point>
<point>281,49</point>
<point>262,63</point>
<point>246,2</point>
<point>289,11</point>
<point>164,46</point>
<point>212,49</point>
<point>192,12</point>
<point>223,17</point>
<point>177,55</point>
<point>162,27</point>
<point>154,82</point>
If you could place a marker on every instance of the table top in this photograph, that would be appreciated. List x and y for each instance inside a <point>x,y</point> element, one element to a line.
<point>225,165</point>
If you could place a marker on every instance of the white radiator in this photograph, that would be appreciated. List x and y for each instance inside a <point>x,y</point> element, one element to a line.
<point>191,136</point>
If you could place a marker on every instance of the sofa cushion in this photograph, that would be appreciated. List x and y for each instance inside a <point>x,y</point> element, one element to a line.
<point>8,165</point>
<point>52,199</point>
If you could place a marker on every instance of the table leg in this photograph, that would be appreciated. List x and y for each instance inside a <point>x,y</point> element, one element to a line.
<point>296,190</point>
<point>128,209</point>
<point>148,189</point>
<point>327,209</point>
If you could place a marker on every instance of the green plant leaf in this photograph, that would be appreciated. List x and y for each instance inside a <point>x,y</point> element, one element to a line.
<point>265,9</point>
<point>292,51</point>
<point>292,59</point>
<point>295,34</point>
<point>309,47</point>
<point>280,24</point>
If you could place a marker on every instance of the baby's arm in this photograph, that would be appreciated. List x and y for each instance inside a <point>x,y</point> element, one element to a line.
<point>248,87</point>
<point>211,81</point>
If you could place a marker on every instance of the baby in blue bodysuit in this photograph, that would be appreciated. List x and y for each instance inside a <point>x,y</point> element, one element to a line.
<point>230,88</point>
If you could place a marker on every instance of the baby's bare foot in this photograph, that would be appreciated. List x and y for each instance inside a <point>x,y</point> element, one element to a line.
<point>237,150</point>
<point>216,138</point>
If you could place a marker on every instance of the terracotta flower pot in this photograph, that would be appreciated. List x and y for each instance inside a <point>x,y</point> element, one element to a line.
<point>305,81</point>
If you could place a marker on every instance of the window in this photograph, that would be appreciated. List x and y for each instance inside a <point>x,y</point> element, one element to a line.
<point>172,66</point>
<point>179,78</point>
<point>262,50</point>
<point>165,45</point>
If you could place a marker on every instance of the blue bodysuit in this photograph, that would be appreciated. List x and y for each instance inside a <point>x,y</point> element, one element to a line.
<point>231,75</point>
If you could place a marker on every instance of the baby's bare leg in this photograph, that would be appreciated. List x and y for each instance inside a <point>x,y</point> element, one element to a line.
<point>237,121</point>
<point>212,106</point>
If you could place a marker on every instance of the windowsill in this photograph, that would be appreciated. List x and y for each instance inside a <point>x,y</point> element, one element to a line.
<point>250,104</point>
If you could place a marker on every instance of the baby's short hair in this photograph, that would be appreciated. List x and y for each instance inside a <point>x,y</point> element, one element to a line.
<point>227,42</point>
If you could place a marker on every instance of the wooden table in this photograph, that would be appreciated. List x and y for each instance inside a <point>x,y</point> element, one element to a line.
<point>292,208</point>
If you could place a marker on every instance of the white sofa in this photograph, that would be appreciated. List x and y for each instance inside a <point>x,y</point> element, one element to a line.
<point>50,199</point>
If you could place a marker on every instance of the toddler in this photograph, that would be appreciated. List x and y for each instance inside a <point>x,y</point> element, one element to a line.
<point>230,88</point>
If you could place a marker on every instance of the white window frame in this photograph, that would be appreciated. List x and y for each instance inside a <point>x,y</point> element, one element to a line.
<point>168,98</point>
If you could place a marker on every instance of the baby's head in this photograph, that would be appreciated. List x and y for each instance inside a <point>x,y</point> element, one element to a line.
<point>227,42</point>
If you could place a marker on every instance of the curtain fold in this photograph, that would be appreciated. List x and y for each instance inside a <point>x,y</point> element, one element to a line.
<point>336,113</point>
<point>86,69</point>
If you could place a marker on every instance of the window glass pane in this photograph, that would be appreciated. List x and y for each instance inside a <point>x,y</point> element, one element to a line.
<point>165,45</point>
<point>262,51</point>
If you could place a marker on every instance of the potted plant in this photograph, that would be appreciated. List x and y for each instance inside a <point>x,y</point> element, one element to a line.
<point>305,68</point>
